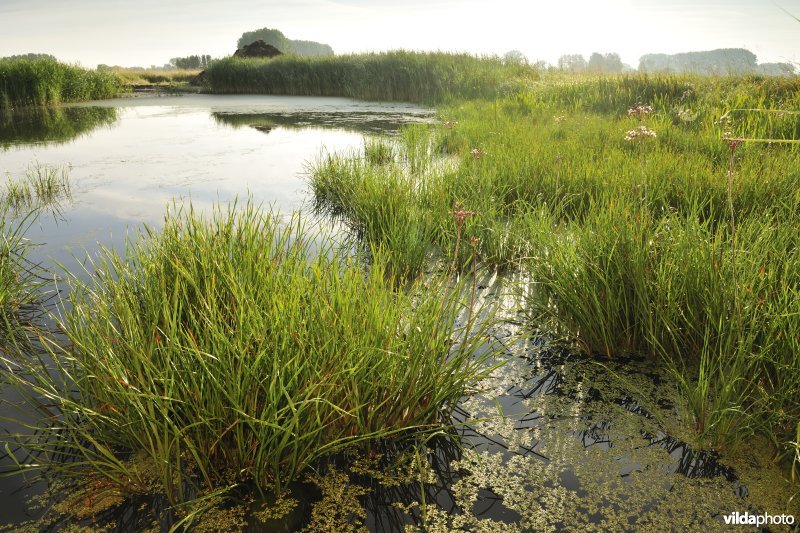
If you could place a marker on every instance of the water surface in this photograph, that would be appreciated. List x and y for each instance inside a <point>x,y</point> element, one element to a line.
<point>129,158</point>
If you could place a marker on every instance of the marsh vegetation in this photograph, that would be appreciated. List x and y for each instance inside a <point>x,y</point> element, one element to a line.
<point>648,219</point>
<point>25,82</point>
<point>678,244</point>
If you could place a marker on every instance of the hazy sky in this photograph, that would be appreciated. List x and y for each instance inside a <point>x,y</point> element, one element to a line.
<point>150,32</point>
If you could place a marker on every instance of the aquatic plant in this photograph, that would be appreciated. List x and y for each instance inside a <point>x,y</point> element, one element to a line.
<point>25,82</point>
<point>20,280</point>
<point>236,348</point>
<point>388,76</point>
<point>42,186</point>
<point>699,273</point>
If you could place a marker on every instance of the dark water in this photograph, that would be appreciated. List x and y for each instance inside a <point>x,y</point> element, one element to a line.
<point>551,441</point>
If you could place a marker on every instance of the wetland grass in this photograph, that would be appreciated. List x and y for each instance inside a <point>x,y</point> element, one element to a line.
<point>43,186</point>
<point>629,240</point>
<point>20,283</point>
<point>236,348</point>
<point>389,76</point>
<point>38,82</point>
<point>163,77</point>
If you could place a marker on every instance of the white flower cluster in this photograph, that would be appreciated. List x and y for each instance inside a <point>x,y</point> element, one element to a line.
<point>640,133</point>
<point>640,110</point>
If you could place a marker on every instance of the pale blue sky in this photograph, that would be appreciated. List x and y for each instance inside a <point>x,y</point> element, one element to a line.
<point>149,32</point>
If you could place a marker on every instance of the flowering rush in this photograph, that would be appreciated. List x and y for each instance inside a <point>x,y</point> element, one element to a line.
<point>640,110</point>
<point>639,134</point>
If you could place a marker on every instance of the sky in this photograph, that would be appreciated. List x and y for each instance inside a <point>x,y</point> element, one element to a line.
<point>150,32</point>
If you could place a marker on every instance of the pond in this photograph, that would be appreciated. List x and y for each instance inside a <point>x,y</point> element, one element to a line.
<point>551,441</point>
<point>129,158</point>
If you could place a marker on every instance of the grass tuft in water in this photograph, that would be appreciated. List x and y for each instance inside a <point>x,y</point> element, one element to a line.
<point>20,281</point>
<point>43,186</point>
<point>238,348</point>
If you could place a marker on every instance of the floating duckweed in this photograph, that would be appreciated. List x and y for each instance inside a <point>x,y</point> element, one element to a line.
<point>339,506</point>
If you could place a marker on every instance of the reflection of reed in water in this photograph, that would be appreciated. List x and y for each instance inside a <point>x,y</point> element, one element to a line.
<point>52,124</point>
<point>359,122</point>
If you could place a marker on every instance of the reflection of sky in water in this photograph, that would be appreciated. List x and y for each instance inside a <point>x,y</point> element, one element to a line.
<point>162,148</point>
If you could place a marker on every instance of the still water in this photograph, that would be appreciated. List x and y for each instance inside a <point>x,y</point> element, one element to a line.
<point>129,158</point>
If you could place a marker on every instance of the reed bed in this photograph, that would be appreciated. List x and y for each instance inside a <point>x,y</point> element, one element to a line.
<point>648,224</point>
<point>233,349</point>
<point>391,76</point>
<point>25,82</point>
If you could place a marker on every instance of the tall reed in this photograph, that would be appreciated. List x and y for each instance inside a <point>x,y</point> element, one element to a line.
<point>390,76</point>
<point>25,82</point>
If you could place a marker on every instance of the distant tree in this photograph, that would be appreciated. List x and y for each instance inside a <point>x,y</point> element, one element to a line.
<point>776,69</point>
<point>596,63</point>
<point>191,62</point>
<point>542,65</point>
<point>612,62</point>
<point>572,63</point>
<point>515,57</point>
<point>284,44</point>
<point>720,61</point>
<point>30,56</point>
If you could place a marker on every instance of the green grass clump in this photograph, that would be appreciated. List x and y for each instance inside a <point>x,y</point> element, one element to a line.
<point>25,82</point>
<point>20,282</point>
<point>390,76</point>
<point>42,186</point>
<point>722,315</point>
<point>235,349</point>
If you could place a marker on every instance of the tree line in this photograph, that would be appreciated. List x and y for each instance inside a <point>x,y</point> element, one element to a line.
<point>722,61</point>
<point>191,62</point>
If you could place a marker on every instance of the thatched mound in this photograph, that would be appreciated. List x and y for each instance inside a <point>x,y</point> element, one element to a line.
<point>257,49</point>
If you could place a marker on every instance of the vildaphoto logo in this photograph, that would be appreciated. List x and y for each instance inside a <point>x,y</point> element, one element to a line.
<point>747,519</point>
